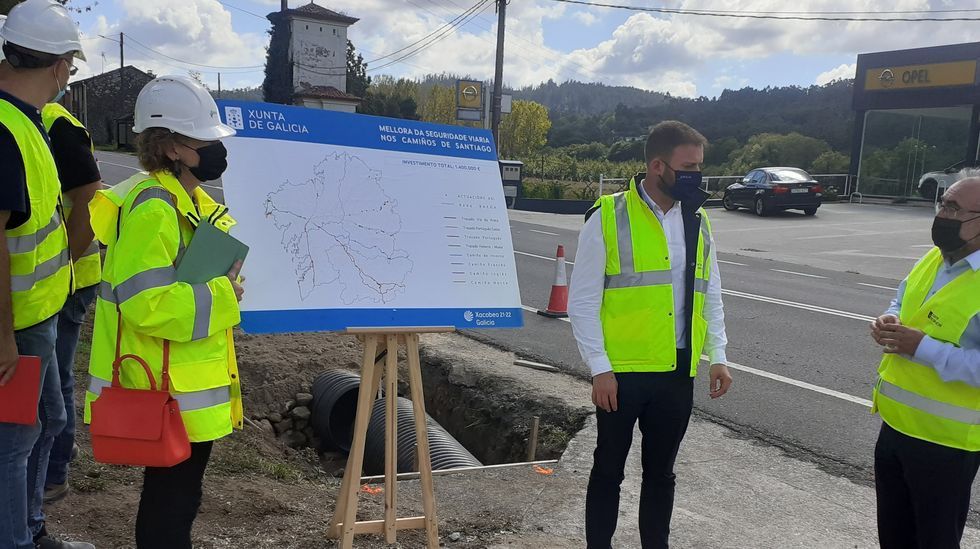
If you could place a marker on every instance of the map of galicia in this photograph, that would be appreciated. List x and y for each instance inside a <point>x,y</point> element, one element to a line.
<point>341,232</point>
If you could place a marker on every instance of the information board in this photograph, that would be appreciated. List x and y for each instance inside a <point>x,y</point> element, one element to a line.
<point>363,221</point>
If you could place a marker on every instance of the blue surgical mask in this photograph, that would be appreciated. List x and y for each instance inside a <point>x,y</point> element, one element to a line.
<point>61,90</point>
<point>687,184</point>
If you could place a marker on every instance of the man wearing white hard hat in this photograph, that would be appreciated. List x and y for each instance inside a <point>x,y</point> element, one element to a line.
<point>143,309</point>
<point>41,43</point>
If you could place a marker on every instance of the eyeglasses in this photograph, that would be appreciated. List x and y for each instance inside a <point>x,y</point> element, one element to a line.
<point>953,210</point>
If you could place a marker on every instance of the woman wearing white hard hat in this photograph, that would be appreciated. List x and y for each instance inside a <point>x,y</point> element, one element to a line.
<point>41,44</point>
<point>142,309</point>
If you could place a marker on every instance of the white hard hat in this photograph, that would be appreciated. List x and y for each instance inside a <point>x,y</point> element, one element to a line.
<point>181,105</point>
<point>44,26</point>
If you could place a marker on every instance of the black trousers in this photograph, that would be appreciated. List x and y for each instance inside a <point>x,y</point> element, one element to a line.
<point>661,402</point>
<point>170,500</point>
<point>923,491</point>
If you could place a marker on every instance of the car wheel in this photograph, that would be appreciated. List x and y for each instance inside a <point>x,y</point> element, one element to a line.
<point>761,209</point>
<point>729,203</point>
<point>928,189</point>
<point>810,211</point>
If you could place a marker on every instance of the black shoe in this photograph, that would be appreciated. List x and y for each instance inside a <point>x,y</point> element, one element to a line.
<point>48,542</point>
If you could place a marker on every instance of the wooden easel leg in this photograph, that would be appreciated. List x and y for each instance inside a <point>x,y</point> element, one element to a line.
<point>391,439</point>
<point>422,438</point>
<point>347,502</point>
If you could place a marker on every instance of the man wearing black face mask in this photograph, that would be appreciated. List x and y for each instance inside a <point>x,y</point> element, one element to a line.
<point>928,392</point>
<point>645,300</point>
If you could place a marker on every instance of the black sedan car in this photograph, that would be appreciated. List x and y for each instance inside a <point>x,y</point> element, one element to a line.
<point>766,190</point>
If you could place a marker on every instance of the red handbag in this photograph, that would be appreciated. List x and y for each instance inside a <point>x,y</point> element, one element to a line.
<point>138,426</point>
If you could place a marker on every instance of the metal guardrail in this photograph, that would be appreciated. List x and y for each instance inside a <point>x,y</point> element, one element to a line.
<point>843,183</point>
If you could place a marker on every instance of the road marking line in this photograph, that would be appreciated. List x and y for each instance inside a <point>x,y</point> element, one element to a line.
<point>775,301</point>
<point>567,262</point>
<point>543,232</point>
<point>535,311</point>
<point>802,306</point>
<point>775,377</point>
<point>797,383</point>
<point>796,273</point>
<point>732,263</point>
<point>923,246</point>
<point>877,286</point>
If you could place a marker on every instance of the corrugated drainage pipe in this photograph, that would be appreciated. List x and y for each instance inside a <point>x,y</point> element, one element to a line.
<point>334,408</point>
<point>445,451</point>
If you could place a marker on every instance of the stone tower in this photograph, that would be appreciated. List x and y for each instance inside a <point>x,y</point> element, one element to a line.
<point>318,54</point>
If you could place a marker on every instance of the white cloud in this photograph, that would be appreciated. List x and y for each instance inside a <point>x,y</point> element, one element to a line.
<point>729,82</point>
<point>585,17</point>
<point>841,72</point>
<point>181,32</point>
<point>660,52</point>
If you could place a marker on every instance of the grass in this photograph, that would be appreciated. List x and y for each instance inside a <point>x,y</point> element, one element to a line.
<point>235,457</point>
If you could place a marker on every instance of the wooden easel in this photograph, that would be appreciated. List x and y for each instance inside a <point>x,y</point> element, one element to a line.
<point>344,524</point>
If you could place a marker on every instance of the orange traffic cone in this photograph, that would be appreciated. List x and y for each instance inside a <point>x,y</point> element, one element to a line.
<point>558,303</point>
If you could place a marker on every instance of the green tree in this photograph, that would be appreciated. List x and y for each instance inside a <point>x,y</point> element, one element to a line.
<point>627,150</point>
<point>525,130</point>
<point>831,162</point>
<point>438,104</point>
<point>393,98</point>
<point>357,78</point>
<point>768,149</point>
<point>277,87</point>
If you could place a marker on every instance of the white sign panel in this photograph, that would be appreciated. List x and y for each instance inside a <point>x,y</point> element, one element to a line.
<point>363,221</point>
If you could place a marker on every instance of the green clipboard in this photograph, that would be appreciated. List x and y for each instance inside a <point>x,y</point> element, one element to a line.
<point>211,254</point>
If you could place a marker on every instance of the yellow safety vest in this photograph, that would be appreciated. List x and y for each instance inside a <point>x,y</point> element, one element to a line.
<point>911,397</point>
<point>637,311</point>
<point>88,268</point>
<point>139,279</point>
<point>40,264</point>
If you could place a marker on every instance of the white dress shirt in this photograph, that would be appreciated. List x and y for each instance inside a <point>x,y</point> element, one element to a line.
<point>588,284</point>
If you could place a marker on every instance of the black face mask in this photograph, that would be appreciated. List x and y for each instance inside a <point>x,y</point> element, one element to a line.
<point>946,234</point>
<point>213,162</point>
<point>687,184</point>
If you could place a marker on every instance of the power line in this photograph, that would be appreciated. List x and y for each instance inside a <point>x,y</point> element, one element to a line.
<point>252,13</point>
<point>558,57</point>
<point>763,15</point>
<point>230,68</point>
<point>454,23</point>
<point>445,34</point>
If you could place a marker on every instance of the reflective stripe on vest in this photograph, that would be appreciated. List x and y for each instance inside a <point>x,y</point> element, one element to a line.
<point>161,277</point>
<point>911,396</point>
<point>928,405</point>
<point>28,242</point>
<point>88,267</point>
<point>40,264</point>
<point>46,269</point>
<point>628,278</point>
<point>637,310</point>
<point>189,402</point>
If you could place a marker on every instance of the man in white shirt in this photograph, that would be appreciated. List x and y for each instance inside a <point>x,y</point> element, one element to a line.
<point>645,300</point>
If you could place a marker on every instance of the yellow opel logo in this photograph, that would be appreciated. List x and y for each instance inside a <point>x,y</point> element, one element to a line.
<point>470,92</point>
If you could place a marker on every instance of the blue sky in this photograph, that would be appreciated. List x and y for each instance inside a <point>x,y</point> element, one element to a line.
<point>681,54</point>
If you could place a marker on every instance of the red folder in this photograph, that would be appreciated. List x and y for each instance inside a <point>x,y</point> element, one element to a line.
<point>19,397</point>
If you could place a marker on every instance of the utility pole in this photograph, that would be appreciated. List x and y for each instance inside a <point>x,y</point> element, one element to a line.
<point>498,73</point>
<point>122,62</point>
<point>219,85</point>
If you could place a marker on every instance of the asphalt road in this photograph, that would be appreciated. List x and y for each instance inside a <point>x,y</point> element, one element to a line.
<point>799,294</point>
<point>803,361</point>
